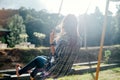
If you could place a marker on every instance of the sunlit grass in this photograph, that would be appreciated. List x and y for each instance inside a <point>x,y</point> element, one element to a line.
<point>110,74</point>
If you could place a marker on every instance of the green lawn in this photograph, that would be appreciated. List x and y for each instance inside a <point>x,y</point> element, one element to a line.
<point>110,74</point>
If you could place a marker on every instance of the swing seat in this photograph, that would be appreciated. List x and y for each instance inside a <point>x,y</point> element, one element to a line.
<point>66,55</point>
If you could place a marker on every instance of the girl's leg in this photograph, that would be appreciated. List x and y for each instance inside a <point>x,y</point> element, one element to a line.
<point>34,72</point>
<point>37,62</point>
<point>29,66</point>
<point>17,69</point>
<point>31,78</point>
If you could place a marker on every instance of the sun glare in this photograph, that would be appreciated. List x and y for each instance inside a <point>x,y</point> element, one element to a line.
<point>76,7</point>
<point>72,6</point>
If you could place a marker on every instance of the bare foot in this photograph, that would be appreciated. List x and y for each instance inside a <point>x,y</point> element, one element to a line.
<point>29,71</point>
<point>17,69</point>
<point>31,78</point>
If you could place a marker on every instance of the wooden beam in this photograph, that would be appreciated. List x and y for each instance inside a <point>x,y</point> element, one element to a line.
<point>102,40</point>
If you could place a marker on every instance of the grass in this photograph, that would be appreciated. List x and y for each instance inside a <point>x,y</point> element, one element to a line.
<point>109,74</point>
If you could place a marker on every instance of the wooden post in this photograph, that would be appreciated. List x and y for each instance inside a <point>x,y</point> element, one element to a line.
<point>102,40</point>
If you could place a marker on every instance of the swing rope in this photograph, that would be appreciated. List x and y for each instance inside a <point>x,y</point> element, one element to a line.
<point>67,54</point>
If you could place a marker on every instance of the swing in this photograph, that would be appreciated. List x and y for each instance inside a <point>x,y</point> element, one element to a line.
<point>66,55</point>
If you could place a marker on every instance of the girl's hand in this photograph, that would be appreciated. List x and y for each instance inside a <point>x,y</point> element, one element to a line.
<point>52,37</point>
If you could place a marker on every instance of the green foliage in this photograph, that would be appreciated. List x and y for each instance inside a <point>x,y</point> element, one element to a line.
<point>115,54</point>
<point>16,27</point>
<point>34,26</point>
<point>117,26</point>
<point>91,26</point>
<point>2,39</point>
<point>23,36</point>
<point>107,55</point>
<point>40,36</point>
<point>39,21</point>
<point>43,22</point>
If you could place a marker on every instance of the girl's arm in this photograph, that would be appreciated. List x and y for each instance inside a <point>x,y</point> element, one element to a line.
<point>52,48</point>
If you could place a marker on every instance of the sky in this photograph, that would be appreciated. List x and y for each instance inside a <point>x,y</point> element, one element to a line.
<point>69,6</point>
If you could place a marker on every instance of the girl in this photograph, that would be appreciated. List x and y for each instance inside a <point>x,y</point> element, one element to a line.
<point>67,36</point>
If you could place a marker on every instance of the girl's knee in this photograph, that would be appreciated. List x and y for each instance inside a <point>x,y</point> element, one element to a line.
<point>38,57</point>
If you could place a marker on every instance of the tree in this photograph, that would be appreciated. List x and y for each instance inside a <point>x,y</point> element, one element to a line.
<point>16,27</point>
<point>117,26</point>
<point>40,36</point>
<point>23,12</point>
<point>39,21</point>
<point>92,27</point>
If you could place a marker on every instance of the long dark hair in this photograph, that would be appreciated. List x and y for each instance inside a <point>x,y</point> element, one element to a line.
<point>69,27</point>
